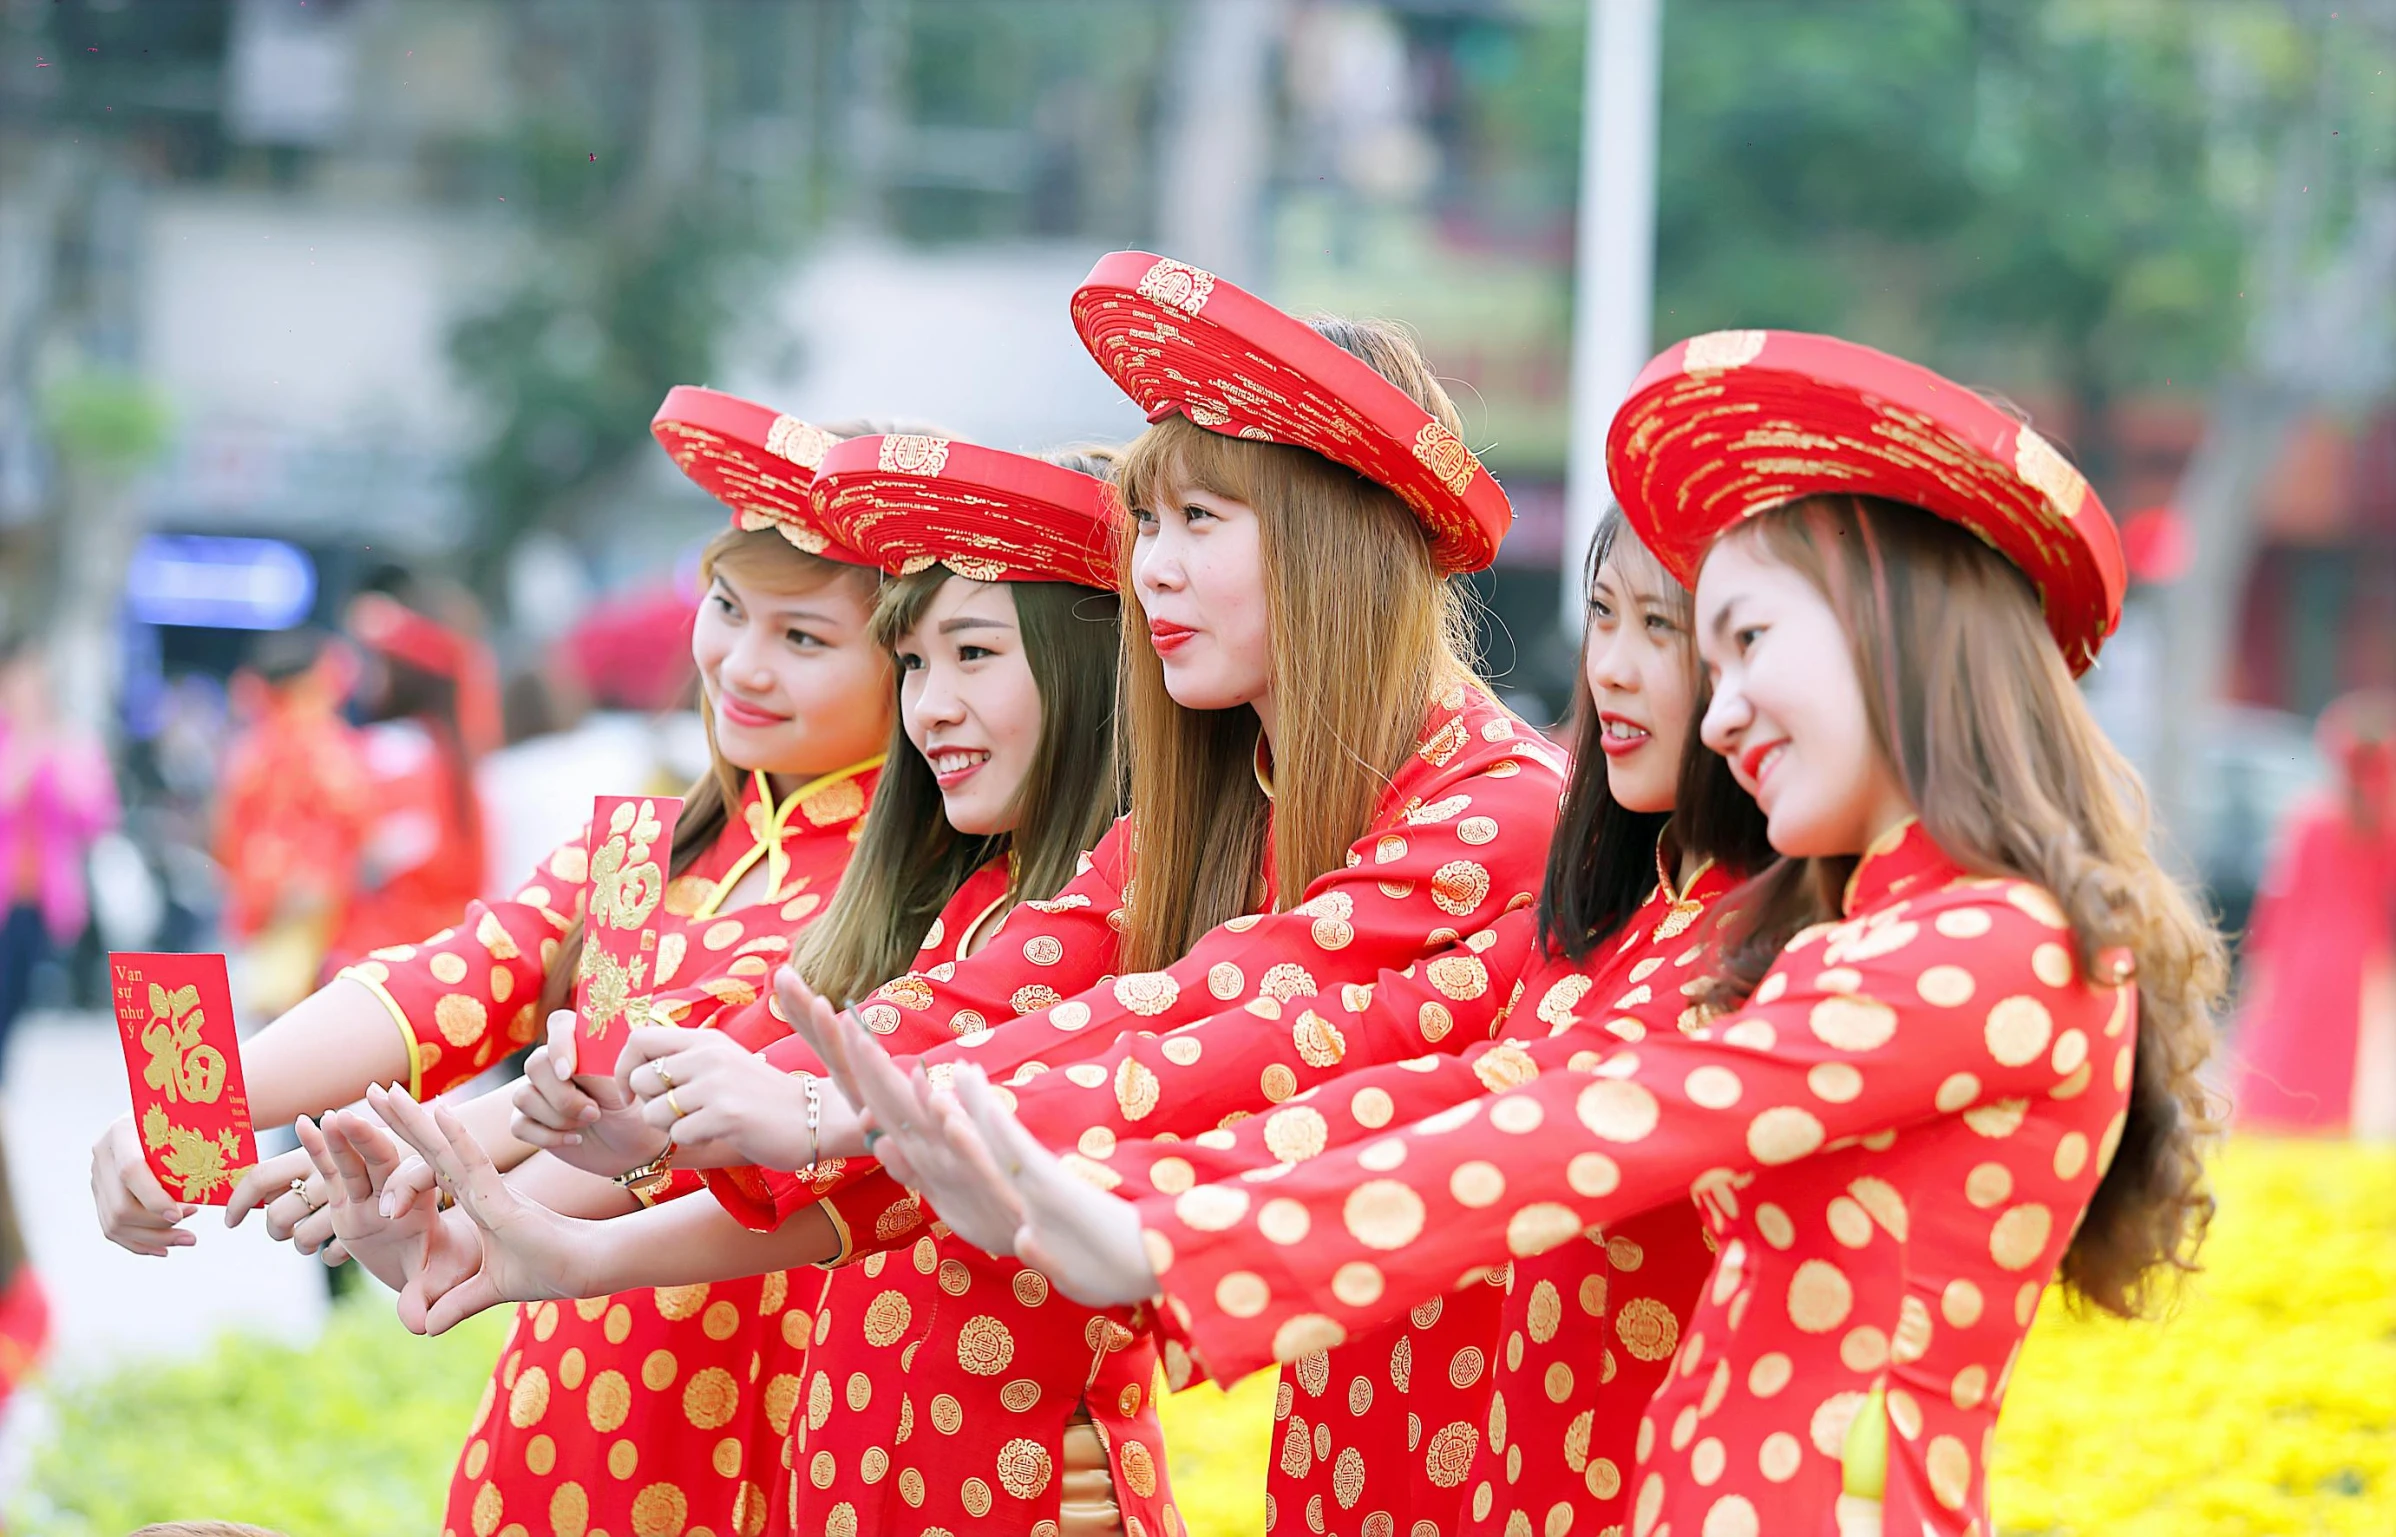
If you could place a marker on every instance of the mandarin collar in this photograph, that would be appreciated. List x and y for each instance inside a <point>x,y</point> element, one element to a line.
<point>1897,862</point>
<point>769,826</point>
<point>1668,860</point>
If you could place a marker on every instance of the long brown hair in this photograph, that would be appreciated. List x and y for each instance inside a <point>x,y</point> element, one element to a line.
<point>1971,704</point>
<point>708,805</point>
<point>912,859</point>
<point>1365,634</point>
<point>1602,863</point>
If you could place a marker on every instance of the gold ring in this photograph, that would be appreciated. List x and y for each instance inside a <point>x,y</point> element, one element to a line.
<point>663,1076</point>
<point>299,1187</point>
<point>670,1105</point>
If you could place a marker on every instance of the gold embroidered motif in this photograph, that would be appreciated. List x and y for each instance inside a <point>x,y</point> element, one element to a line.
<point>976,568</point>
<point>801,443</point>
<point>833,803</point>
<point>1718,350</point>
<point>799,536</point>
<point>911,453</point>
<point>2036,461</point>
<point>1184,287</point>
<point>1444,455</point>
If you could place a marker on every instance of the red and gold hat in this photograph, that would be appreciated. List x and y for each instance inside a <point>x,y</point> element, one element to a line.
<point>754,460</point>
<point>1178,339</point>
<point>906,502</point>
<point>1733,423</point>
<point>382,623</point>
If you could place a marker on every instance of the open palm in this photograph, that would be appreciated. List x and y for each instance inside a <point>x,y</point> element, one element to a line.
<point>522,1251</point>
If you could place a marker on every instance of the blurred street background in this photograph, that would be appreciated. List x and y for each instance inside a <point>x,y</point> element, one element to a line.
<point>307,299</point>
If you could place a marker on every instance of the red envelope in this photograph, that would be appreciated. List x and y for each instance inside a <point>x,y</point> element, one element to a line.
<point>174,1014</point>
<point>631,840</point>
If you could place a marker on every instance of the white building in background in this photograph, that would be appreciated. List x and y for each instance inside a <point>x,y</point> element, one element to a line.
<point>973,339</point>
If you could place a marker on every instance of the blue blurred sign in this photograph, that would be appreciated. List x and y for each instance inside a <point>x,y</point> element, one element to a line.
<point>219,583</point>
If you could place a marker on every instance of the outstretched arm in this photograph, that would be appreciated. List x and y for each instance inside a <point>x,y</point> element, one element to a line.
<point>530,1253</point>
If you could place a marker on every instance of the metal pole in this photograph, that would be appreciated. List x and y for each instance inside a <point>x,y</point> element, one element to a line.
<point>1216,155</point>
<point>1614,258</point>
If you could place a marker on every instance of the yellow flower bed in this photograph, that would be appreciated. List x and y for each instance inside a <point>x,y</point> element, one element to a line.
<point>2265,1401</point>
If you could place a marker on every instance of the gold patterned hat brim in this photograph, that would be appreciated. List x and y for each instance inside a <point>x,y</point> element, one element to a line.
<point>908,502</point>
<point>756,461</point>
<point>1727,425</point>
<point>1180,340</point>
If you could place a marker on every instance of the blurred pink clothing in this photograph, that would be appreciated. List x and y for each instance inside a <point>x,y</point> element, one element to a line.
<point>2317,1044</point>
<point>49,815</point>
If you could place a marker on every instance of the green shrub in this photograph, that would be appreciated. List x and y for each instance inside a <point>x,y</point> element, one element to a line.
<point>351,1437</point>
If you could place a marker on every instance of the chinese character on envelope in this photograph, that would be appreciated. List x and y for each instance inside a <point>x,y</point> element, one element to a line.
<point>174,1014</point>
<point>631,841</point>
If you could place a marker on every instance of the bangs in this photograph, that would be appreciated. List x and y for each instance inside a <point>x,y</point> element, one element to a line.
<point>1637,566</point>
<point>899,605</point>
<point>763,556</point>
<point>1177,454</point>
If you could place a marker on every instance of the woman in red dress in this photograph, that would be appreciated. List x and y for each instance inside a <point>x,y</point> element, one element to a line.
<point>1628,877</point>
<point>1304,497</point>
<point>430,699</point>
<point>2316,1047</point>
<point>1007,702</point>
<point>1954,1043</point>
<point>632,1413</point>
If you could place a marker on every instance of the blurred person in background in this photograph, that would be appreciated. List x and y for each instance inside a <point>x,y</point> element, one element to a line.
<point>57,793</point>
<point>798,702</point>
<point>607,710</point>
<point>432,704</point>
<point>2318,1049</point>
<point>292,815</point>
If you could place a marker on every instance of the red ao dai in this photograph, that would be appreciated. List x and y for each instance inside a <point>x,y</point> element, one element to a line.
<point>648,1412</point>
<point>1405,1429</point>
<point>1891,1144</point>
<point>1461,836</point>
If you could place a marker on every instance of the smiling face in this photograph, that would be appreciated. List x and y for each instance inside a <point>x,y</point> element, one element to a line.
<point>1637,664</point>
<point>970,704</point>
<point>796,686</point>
<point>1788,707</point>
<point>1197,565</point>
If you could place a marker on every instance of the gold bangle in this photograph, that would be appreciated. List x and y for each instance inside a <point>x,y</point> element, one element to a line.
<point>646,1183</point>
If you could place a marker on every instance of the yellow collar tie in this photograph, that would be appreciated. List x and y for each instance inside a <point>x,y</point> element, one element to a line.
<point>771,829</point>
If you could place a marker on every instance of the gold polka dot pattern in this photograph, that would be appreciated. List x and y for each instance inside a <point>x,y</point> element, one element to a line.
<point>1913,1124</point>
<point>1156,1070</point>
<point>654,1411</point>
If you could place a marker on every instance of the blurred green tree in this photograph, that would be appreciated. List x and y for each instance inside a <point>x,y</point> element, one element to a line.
<point>643,216</point>
<point>2065,194</point>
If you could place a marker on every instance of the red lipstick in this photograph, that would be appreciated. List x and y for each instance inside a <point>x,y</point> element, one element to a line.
<point>739,712</point>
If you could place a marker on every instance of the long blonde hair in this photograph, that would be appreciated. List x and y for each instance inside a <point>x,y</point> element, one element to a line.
<point>1365,633</point>
<point>1971,704</point>
<point>708,805</point>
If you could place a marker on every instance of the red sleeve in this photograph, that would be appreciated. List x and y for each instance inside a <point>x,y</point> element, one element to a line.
<point>763,1199</point>
<point>1044,951</point>
<point>471,993</point>
<point>1619,994</point>
<point>1436,865</point>
<point>1227,1068</point>
<point>1452,858</point>
<point>1890,1035</point>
